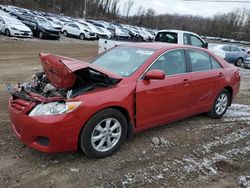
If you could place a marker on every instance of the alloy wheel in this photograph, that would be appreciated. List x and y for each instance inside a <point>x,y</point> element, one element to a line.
<point>106,134</point>
<point>221,104</point>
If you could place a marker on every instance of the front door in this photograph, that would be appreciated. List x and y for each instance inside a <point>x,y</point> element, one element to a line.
<point>161,101</point>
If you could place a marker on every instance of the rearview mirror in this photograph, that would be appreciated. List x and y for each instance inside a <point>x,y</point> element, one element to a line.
<point>155,75</point>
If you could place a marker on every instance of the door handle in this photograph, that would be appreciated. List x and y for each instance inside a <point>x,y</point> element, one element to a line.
<point>185,81</point>
<point>221,74</point>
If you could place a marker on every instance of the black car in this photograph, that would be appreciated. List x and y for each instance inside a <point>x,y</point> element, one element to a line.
<point>40,27</point>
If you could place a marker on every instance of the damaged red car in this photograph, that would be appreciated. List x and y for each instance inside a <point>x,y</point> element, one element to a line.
<point>94,106</point>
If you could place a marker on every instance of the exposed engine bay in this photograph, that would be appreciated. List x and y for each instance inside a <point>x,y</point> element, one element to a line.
<point>87,80</point>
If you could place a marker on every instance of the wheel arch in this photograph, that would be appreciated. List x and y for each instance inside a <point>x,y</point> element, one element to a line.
<point>121,109</point>
<point>230,90</point>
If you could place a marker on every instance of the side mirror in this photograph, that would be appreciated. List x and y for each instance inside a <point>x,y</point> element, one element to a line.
<point>155,75</point>
<point>205,45</point>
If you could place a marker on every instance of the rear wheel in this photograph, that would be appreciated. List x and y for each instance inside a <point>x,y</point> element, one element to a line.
<point>82,36</point>
<point>103,134</point>
<point>220,105</point>
<point>239,62</point>
<point>7,32</point>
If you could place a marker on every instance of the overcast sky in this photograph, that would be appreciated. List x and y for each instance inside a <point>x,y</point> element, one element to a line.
<point>185,7</point>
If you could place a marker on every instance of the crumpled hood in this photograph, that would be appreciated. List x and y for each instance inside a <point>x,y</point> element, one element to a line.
<point>60,70</point>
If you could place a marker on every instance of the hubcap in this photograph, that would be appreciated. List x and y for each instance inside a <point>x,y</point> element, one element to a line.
<point>106,134</point>
<point>239,62</point>
<point>40,35</point>
<point>82,37</point>
<point>221,104</point>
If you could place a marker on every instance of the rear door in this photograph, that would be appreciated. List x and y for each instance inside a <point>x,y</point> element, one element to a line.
<point>206,79</point>
<point>161,101</point>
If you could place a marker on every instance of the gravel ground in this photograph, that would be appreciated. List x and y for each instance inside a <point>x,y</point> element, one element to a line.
<point>197,151</point>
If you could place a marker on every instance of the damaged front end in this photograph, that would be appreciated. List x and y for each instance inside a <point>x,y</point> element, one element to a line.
<point>53,90</point>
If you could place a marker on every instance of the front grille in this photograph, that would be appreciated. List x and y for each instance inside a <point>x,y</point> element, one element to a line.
<point>92,34</point>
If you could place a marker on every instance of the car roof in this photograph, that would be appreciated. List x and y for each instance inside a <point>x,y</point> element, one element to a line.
<point>157,45</point>
<point>177,31</point>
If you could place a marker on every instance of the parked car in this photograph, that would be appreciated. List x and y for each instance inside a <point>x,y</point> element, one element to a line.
<point>78,30</point>
<point>40,27</point>
<point>93,29</point>
<point>13,27</point>
<point>181,37</point>
<point>121,33</point>
<point>246,63</point>
<point>104,33</point>
<point>96,105</point>
<point>231,54</point>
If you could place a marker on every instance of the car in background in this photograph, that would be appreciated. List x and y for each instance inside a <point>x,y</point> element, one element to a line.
<point>121,33</point>
<point>78,30</point>
<point>180,37</point>
<point>94,106</point>
<point>103,33</point>
<point>14,28</point>
<point>41,27</point>
<point>232,54</point>
<point>246,63</point>
<point>92,28</point>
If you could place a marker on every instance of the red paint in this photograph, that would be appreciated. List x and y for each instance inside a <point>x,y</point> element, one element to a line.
<point>155,102</point>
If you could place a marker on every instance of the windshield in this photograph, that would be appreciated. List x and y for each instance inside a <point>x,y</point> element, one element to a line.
<point>169,37</point>
<point>123,61</point>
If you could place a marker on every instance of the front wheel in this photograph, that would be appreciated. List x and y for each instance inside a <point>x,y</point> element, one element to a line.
<point>7,32</point>
<point>103,134</point>
<point>220,105</point>
<point>82,37</point>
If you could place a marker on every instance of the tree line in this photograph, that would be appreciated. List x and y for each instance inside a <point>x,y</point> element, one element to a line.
<point>235,24</point>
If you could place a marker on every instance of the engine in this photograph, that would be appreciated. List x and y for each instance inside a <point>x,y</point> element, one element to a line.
<point>41,85</point>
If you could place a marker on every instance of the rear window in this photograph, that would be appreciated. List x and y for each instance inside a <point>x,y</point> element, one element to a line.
<point>168,37</point>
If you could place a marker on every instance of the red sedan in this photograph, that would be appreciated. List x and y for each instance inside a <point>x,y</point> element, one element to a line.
<point>95,106</point>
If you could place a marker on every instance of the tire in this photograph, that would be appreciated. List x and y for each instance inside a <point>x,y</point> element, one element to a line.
<point>40,35</point>
<point>239,62</point>
<point>82,36</point>
<point>94,137</point>
<point>220,105</point>
<point>7,32</point>
<point>65,33</point>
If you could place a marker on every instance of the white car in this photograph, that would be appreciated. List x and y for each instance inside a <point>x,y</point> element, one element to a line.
<point>78,30</point>
<point>13,27</point>
<point>104,33</point>
<point>121,33</point>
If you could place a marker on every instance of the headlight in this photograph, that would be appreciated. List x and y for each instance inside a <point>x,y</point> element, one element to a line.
<point>54,108</point>
<point>15,29</point>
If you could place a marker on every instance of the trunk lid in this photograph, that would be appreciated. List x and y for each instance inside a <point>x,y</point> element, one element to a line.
<point>60,70</point>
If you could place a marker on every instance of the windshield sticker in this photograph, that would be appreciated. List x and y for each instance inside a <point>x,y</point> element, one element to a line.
<point>144,52</point>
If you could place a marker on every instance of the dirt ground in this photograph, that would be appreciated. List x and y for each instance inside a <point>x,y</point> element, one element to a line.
<point>195,152</point>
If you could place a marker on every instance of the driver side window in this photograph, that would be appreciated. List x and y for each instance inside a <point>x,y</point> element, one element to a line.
<point>172,62</point>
